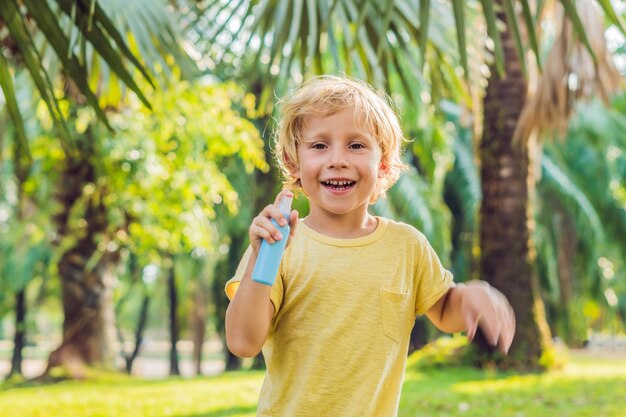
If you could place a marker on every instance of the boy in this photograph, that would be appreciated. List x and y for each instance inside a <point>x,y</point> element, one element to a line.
<point>335,325</point>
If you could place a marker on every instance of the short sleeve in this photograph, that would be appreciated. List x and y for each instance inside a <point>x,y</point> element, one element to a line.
<point>433,280</point>
<point>232,285</point>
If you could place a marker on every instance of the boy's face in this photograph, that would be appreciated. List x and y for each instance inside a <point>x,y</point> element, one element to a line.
<point>339,164</point>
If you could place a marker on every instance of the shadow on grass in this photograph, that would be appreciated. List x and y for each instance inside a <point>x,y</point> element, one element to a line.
<point>104,379</point>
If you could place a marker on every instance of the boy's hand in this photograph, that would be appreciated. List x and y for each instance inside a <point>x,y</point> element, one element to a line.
<point>484,306</point>
<point>263,228</point>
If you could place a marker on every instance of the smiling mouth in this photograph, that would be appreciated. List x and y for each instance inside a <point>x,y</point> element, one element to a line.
<point>339,185</point>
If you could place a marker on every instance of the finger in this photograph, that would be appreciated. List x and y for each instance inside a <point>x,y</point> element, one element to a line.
<point>496,329</point>
<point>506,326</point>
<point>280,195</point>
<point>258,233</point>
<point>471,323</point>
<point>490,326</point>
<point>274,213</point>
<point>265,224</point>
<point>503,344</point>
<point>511,328</point>
<point>506,339</point>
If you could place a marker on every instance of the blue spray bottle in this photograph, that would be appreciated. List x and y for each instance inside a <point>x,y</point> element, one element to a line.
<point>266,267</point>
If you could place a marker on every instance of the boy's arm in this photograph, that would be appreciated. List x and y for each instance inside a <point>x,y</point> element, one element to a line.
<point>249,315</point>
<point>465,307</point>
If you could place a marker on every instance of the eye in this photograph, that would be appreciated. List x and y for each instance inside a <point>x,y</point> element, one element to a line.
<point>357,145</point>
<point>318,145</point>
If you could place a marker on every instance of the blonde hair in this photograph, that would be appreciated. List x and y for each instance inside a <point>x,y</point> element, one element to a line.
<point>326,95</point>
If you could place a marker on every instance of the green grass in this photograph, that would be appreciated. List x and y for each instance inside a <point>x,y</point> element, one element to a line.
<point>584,388</point>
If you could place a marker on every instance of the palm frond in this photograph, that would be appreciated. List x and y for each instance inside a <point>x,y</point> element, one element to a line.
<point>547,261</point>
<point>570,73</point>
<point>366,39</point>
<point>557,181</point>
<point>99,32</point>
<point>21,153</point>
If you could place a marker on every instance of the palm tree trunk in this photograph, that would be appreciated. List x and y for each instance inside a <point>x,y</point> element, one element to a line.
<point>506,221</point>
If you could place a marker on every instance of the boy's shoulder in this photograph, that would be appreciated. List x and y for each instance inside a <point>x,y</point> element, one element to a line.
<point>405,230</point>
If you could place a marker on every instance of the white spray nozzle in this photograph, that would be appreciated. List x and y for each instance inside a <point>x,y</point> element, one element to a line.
<point>285,204</point>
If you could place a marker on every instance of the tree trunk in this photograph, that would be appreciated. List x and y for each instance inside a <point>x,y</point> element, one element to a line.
<point>19,339</point>
<point>224,270</point>
<point>86,272</point>
<point>22,168</point>
<point>506,219</point>
<point>139,330</point>
<point>174,327</point>
<point>198,323</point>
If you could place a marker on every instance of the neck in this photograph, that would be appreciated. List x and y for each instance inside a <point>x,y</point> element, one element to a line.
<point>342,226</point>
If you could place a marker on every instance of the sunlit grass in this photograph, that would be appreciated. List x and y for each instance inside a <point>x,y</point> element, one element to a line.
<point>586,387</point>
<point>232,395</point>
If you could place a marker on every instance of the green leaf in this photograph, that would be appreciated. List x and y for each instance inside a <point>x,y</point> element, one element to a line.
<point>20,141</point>
<point>609,11</point>
<point>294,30</point>
<point>101,44</point>
<point>424,21</point>
<point>532,31</point>
<point>509,10</point>
<point>221,28</point>
<point>492,30</point>
<point>383,31</point>
<point>49,25</point>
<point>459,19</point>
<point>102,20</point>
<point>12,18</point>
<point>260,17</point>
<point>574,194</point>
<point>312,40</point>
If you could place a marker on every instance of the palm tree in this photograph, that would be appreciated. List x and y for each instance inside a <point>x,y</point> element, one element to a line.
<point>379,42</point>
<point>505,233</point>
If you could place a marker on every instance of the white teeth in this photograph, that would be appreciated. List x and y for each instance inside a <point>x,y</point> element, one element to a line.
<point>339,183</point>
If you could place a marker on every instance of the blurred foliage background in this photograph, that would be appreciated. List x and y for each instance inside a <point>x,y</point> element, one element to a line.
<point>135,148</point>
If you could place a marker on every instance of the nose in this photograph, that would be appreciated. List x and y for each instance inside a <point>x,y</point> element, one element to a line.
<point>338,158</point>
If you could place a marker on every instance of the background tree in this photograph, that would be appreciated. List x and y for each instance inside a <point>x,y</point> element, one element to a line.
<point>92,228</point>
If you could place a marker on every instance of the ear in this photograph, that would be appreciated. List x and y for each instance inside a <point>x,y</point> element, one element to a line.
<point>383,169</point>
<point>292,166</point>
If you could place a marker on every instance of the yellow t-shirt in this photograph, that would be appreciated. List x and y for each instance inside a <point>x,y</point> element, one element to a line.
<point>344,309</point>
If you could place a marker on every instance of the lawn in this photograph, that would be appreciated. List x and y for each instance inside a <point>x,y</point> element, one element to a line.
<point>586,387</point>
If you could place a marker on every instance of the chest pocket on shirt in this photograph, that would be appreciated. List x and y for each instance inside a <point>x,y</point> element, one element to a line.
<point>393,306</point>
